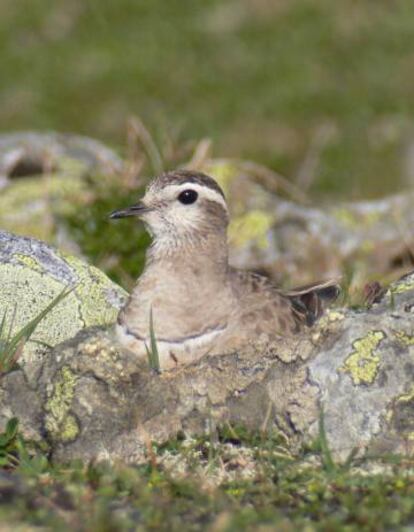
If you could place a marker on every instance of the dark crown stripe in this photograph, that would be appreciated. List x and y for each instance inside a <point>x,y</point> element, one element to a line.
<point>180,177</point>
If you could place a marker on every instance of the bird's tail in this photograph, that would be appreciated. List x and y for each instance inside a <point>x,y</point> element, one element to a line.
<point>310,301</point>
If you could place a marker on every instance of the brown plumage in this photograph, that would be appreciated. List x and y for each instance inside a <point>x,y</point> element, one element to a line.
<point>199,303</point>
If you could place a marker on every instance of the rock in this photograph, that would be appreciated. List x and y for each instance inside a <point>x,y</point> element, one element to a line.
<point>44,176</point>
<point>290,238</point>
<point>44,179</point>
<point>92,401</point>
<point>32,274</point>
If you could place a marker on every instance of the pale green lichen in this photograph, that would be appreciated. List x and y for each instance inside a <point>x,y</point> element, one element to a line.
<point>59,422</point>
<point>251,227</point>
<point>27,206</point>
<point>26,292</point>
<point>27,288</point>
<point>92,287</point>
<point>362,364</point>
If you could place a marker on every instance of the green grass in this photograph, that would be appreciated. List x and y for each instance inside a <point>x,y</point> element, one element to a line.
<point>152,350</point>
<point>12,344</point>
<point>283,83</point>
<point>183,488</point>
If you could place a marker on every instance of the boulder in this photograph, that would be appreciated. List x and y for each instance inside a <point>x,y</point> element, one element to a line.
<point>90,400</point>
<point>32,274</point>
<point>45,176</point>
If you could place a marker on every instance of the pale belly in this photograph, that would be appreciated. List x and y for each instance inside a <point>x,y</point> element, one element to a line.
<point>175,352</point>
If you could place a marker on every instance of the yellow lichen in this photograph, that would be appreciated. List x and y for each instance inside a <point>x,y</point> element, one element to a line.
<point>353,220</point>
<point>59,422</point>
<point>403,285</point>
<point>405,339</point>
<point>330,316</point>
<point>252,226</point>
<point>345,216</point>
<point>362,364</point>
<point>31,262</point>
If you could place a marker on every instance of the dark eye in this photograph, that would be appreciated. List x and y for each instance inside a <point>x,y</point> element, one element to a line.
<point>188,196</point>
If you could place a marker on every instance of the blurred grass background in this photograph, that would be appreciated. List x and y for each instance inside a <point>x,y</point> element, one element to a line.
<point>321,91</point>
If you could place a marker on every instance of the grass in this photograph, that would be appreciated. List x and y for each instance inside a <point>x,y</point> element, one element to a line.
<point>11,345</point>
<point>247,483</point>
<point>152,350</point>
<point>321,91</point>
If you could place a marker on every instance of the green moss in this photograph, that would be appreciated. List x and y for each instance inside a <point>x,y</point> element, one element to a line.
<point>59,422</point>
<point>362,364</point>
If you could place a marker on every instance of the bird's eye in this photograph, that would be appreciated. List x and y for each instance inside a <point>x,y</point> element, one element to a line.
<point>188,196</point>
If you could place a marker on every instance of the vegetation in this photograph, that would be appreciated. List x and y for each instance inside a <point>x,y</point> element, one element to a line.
<point>320,91</point>
<point>234,481</point>
<point>12,343</point>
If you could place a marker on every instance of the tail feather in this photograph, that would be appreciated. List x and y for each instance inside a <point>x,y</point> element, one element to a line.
<point>310,301</point>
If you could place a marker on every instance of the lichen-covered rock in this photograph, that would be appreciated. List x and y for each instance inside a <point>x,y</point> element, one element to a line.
<point>44,176</point>
<point>32,274</point>
<point>290,238</point>
<point>93,401</point>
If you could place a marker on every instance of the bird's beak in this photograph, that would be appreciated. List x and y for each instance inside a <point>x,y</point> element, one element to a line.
<point>135,210</point>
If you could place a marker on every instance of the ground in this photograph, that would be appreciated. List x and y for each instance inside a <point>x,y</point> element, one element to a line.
<point>233,480</point>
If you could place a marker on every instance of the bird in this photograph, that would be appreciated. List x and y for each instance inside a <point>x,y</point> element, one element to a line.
<point>188,297</point>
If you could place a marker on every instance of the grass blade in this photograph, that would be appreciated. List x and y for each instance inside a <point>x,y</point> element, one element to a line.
<point>152,351</point>
<point>12,347</point>
<point>326,454</point>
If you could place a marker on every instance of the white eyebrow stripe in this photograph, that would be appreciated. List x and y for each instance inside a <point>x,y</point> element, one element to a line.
<point>206,192</point>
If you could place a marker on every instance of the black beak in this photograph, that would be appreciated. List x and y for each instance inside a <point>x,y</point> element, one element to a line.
<point>135,210</point>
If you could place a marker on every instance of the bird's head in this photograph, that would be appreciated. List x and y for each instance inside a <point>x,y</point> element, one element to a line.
<point>181,207</point>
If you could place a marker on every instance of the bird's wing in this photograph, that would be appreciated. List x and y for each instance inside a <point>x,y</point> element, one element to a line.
<point>272,310</point>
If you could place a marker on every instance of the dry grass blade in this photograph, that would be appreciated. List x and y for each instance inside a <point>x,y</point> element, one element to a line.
<point>269,179</point>
<point>137,128</point>
<point>201,154</point>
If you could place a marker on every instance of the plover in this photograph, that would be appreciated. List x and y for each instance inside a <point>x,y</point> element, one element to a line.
<point>199,303</point>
